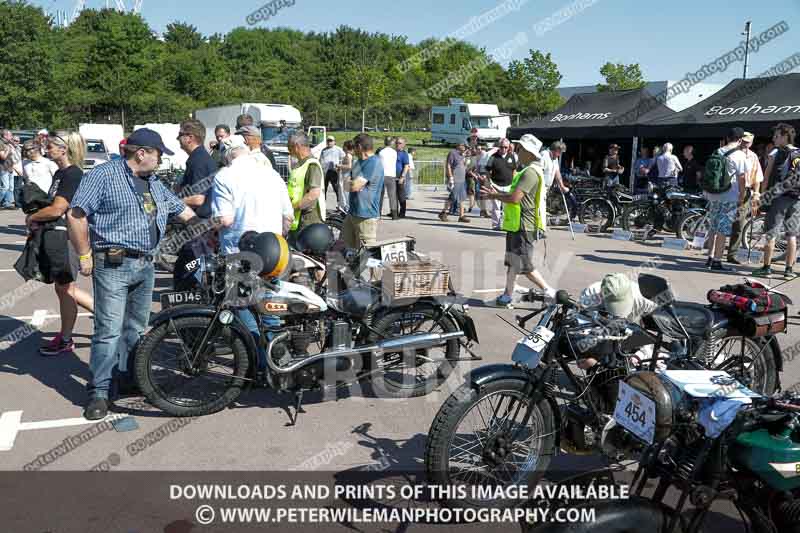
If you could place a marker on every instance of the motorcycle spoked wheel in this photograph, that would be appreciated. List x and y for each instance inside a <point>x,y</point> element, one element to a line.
<point>597,211</point>
<point>758,239</point>
<point>411,373</point>
<point>627,516</point>
<point>638,217</point>
<point>170,382</point>
<point>761,372</point>
<point>477,439</point>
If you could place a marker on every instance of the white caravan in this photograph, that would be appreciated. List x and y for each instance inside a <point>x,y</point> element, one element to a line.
<point>276,121</point>
<point>453,123</point>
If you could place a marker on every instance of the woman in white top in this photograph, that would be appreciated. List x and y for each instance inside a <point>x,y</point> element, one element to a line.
<point>668,164</point>
<point>345,168</point>
<point>35,168</point>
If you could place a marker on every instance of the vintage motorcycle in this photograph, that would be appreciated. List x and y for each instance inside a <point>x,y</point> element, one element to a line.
<point>197,358</point>
<point>503,426</point>
<point>605,208</point>
<point>710,438</point>
<point>661,210</point>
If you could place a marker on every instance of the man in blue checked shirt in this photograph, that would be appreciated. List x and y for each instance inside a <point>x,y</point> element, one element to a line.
<point>124,208</point>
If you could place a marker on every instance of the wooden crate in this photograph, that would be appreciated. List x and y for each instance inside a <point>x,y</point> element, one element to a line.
<point>415,279</point>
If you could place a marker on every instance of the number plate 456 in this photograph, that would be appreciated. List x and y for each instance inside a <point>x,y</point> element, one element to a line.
<point>636,413</point>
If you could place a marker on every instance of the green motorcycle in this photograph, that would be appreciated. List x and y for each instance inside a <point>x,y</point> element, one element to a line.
<point>707,436</point>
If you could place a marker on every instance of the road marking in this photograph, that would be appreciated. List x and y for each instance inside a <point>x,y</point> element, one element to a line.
<point>488,290</point>
<point>38,318</point>
<point>11,424</point>
<point>8,270</point>
<point>32,317</point>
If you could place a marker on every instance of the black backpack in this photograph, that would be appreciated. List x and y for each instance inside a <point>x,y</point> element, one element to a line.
<point>715,177</point>
<point>33,198</point>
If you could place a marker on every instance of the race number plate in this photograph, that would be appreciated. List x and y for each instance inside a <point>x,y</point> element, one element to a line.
<point>171,299</point>
<point>636,413</point>
<point>394,253</point>
<point>529,350</point>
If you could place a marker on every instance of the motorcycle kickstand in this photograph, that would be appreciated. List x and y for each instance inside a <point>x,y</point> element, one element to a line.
<point>298,407</point>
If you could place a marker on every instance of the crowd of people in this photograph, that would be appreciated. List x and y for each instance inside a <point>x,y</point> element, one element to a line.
<point>108,223</point>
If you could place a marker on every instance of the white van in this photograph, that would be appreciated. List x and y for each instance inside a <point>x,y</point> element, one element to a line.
<point>453,123</point>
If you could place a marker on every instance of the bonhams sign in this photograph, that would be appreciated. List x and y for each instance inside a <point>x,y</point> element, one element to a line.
<point>754,109</point>
<point>580,116</point>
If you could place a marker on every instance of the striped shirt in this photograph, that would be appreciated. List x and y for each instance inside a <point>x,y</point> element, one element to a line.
<point>115,211</point>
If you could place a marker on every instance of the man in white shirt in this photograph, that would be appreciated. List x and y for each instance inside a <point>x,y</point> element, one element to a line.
<point>37,169</point>
<point>668,165</point>
<point>754,178</point>
<point>552,170</point>
<point>248,196</point>
<point>723,207</point>
<point>388,156</point>
<point>330,158</point>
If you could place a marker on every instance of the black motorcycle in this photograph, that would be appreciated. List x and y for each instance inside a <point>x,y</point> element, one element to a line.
<point>197,358</point>
<point>603,209</point>
<point>503,426</point>
<point>661,210</point>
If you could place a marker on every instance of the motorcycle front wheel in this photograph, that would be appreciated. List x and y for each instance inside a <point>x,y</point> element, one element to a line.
<point>180,378</point>
<point>481,440</point>
<point>637,216</point>
<point>412,373</point>
<point>597,211</point>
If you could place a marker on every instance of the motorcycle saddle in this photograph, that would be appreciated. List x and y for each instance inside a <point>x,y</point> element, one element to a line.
<point>696,318</point>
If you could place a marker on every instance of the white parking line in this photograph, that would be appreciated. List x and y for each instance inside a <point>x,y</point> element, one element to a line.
<point>43,318</point>
<point>488,290</point>
<point>38,318</point>
<point>11,424</point>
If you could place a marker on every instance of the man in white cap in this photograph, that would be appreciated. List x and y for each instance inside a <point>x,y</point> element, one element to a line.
<point>42,137</point>
<point>523,218</point>
<point>248,195</point>
<point>620,297</point>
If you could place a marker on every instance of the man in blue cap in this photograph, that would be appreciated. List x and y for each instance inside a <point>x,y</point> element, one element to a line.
<point>126,207</point>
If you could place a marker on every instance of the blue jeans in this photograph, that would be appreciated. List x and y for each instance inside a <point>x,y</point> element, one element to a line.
<point>6,188</point>
<point>122,299</point>
<point>249,321</point>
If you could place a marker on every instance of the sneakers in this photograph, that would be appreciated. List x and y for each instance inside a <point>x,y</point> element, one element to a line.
<point>443,216</point>
<point>463,219</point>
<point>504,301</point>
<point>789,274</point>
<point>717,266</point>
<point>57,346</point>
<point>763,272</point>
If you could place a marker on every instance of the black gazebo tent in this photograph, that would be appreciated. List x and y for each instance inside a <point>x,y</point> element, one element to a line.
<point>601,115</point>
<point>754,104</point>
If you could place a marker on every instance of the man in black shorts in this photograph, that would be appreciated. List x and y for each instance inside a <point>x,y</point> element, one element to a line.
<point>784,212</point>
<point>523,218</point>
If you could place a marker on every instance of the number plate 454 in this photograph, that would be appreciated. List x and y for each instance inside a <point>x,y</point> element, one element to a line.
<point>636,413</point>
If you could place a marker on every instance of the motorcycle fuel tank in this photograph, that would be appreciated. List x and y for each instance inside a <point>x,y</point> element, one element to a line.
<point>774,458</point>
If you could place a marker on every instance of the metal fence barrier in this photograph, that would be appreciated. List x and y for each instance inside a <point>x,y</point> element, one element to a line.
<point>429,173</point>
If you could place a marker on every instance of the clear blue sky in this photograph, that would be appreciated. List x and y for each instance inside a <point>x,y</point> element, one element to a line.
<point>667,39</point>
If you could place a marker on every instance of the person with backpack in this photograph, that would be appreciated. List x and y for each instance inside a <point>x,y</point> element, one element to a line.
<point>724,186</point>
<point>785,208</point>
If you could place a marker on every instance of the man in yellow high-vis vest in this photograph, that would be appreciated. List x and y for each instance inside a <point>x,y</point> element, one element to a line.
<point>305,184</point>
<point>523,218</point>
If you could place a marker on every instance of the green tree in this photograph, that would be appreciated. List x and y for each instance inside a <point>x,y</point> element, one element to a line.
<point>26,90</point>
<point>534,80</point>
<point>620,77</point>
<point>183,35</point>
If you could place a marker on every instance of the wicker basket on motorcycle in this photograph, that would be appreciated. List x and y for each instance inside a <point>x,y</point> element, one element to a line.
<point>415,279</point>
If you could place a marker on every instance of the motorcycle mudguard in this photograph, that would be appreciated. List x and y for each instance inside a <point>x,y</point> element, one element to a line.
<point>188,310</point>
<point>465,324</point>
<point>482,376</point>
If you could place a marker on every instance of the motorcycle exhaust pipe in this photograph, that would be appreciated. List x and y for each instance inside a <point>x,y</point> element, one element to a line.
<point>412,342</point>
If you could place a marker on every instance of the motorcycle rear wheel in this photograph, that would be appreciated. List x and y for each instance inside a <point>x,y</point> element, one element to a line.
<point>181,388</point>
<point>424,376</point>
<point>597,211</point>
<point>443,452</point>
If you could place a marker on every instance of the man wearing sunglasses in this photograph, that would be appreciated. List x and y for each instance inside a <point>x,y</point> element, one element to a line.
<point>126,207</point>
